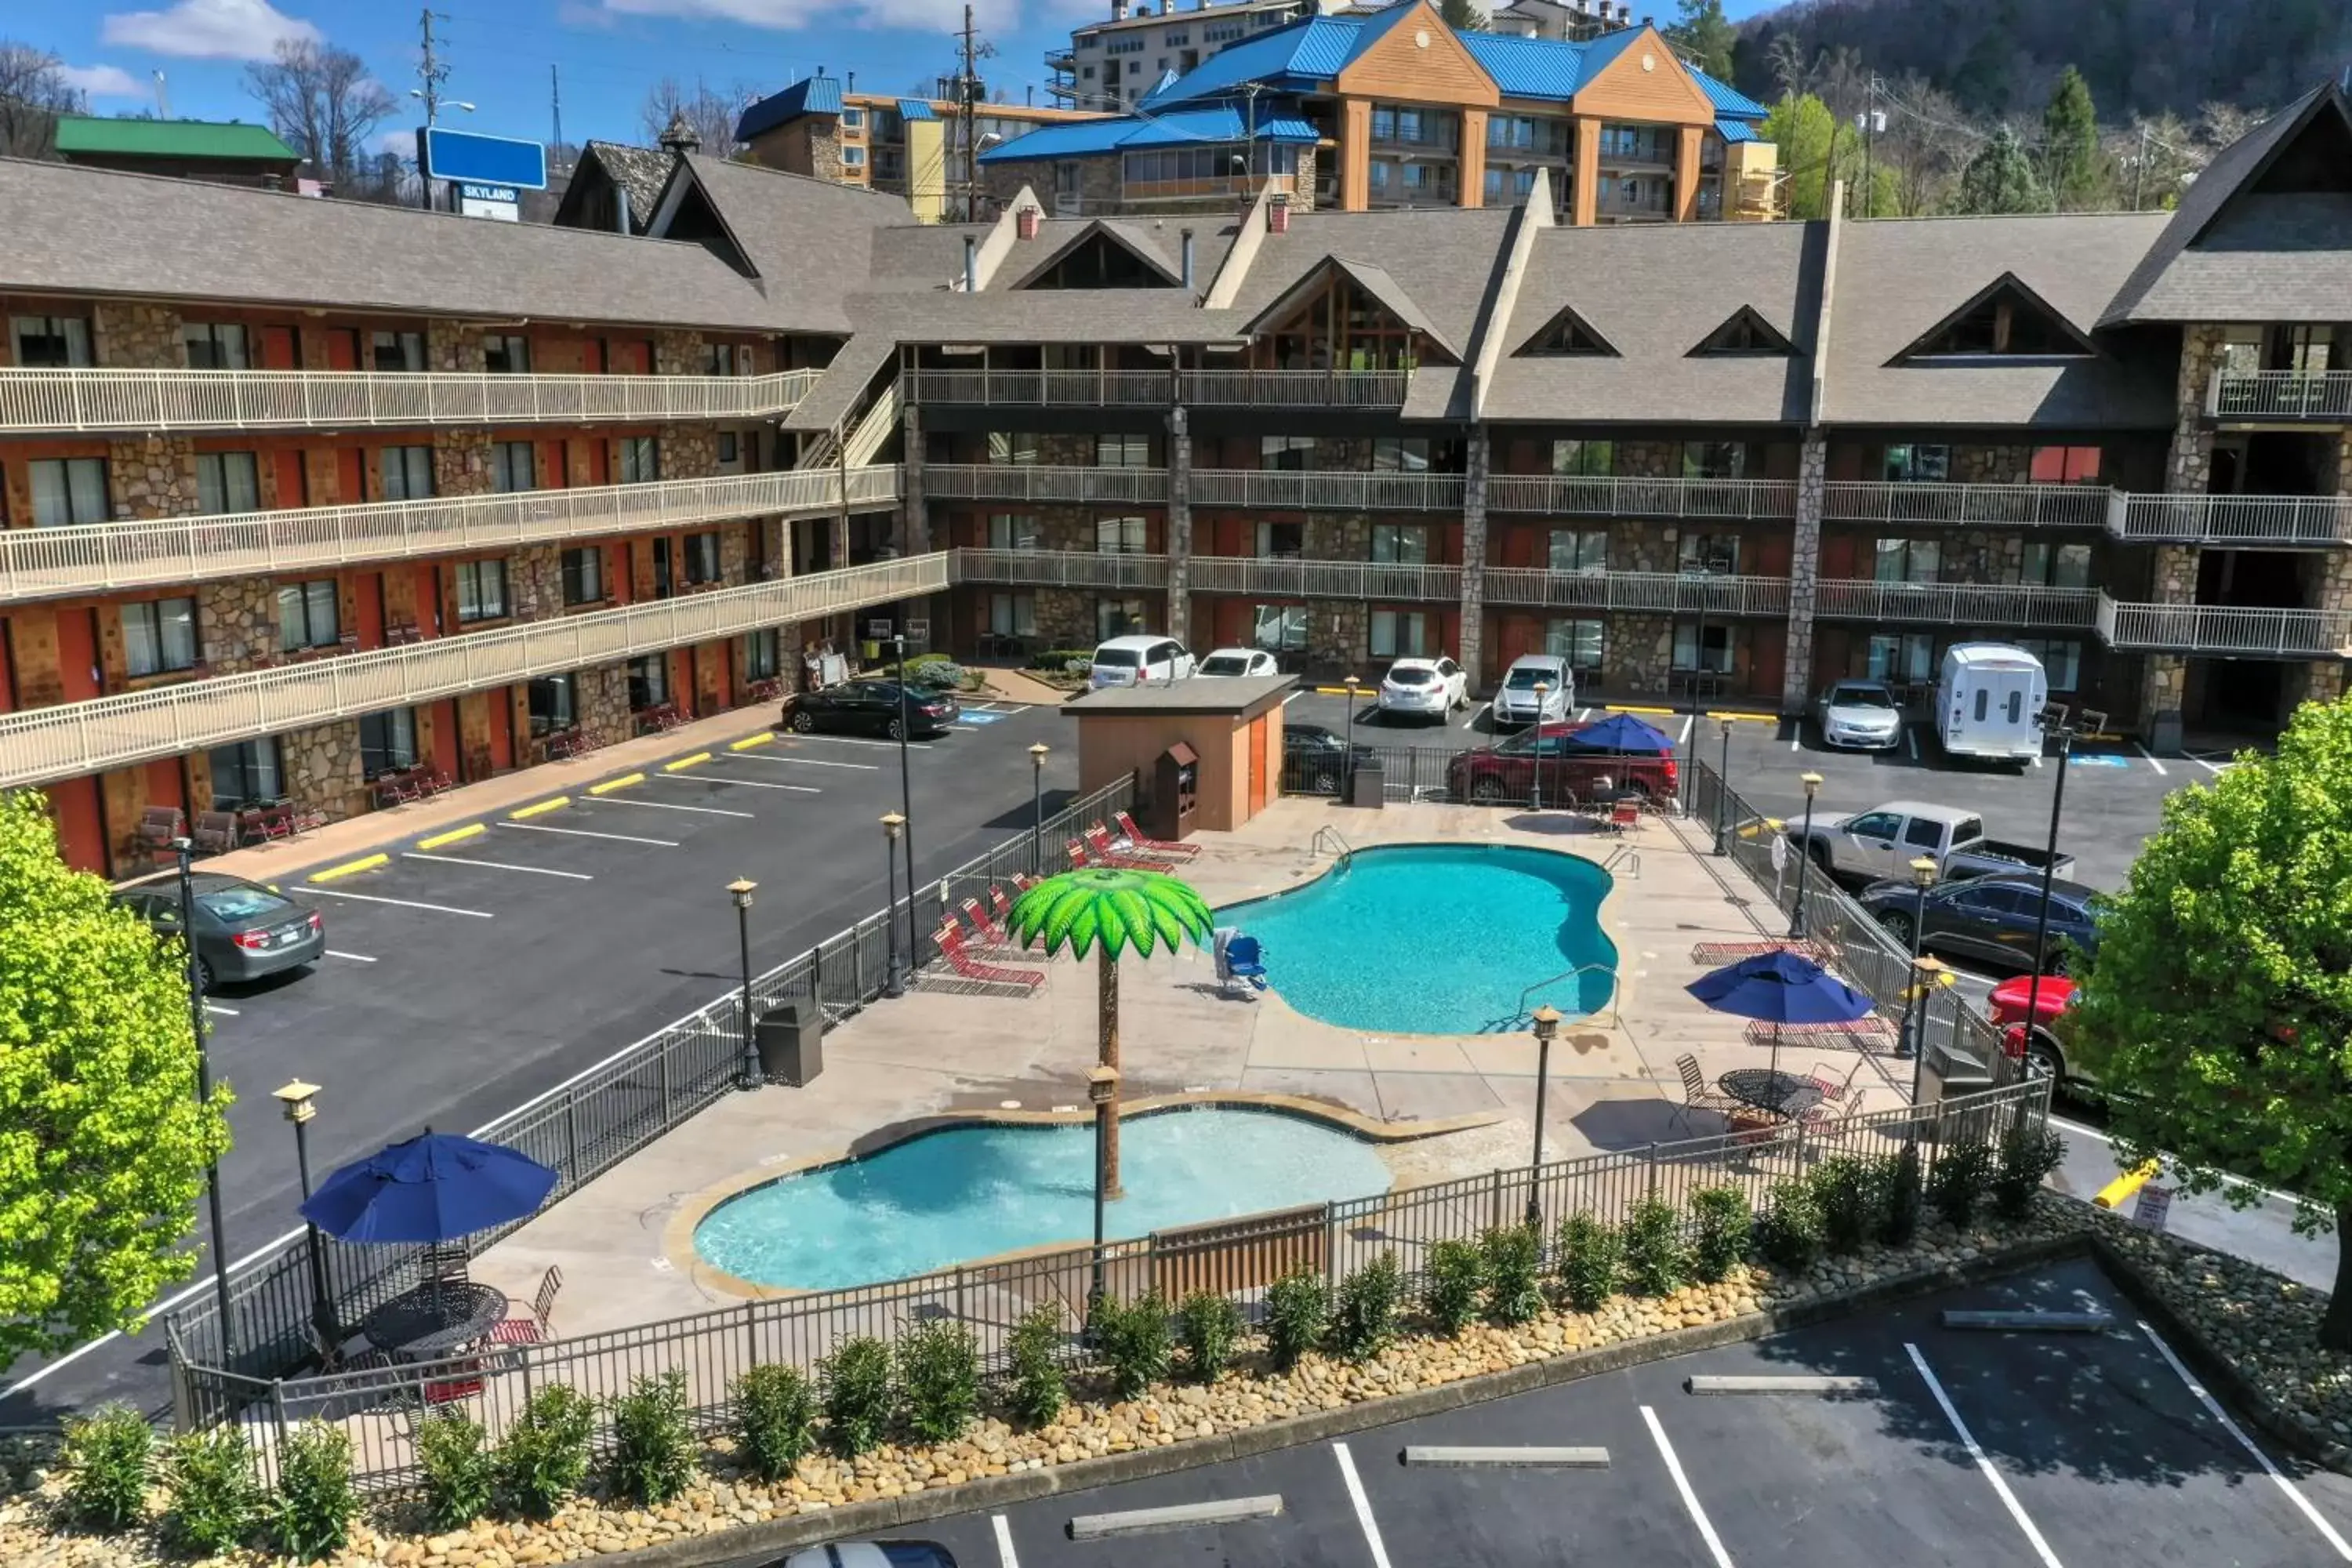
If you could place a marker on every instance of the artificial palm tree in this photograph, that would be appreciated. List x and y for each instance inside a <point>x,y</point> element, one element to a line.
<point>1108,910</point>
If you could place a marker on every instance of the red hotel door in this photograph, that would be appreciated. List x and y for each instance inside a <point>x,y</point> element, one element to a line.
<point>501,704</point>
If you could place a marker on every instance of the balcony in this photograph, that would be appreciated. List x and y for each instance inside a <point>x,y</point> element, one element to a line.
<point>46,743</point>
<point>93,400</point>
<point>1995,506</point>
<point>1956,603</point>
<point>2278,522</point>
<point>1576,495</point>
<point>1040,482</point>
<point>1308,490</point>
<point>1159,389</point>
<point>1671,593</point>
<point>51,562</point>
<point>2227,629</point>
<point>2258,396</point>
<point>1061,569</point>
<point>1284,577</point>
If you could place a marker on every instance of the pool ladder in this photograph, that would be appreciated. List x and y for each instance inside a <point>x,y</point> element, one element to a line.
<point>1331,841</point>
<point>1626,858</point>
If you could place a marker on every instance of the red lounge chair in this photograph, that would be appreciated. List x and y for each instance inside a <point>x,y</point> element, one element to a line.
<point>960,959</point>
<point>1002,906</point>
<point>1147,845</point>
<point>1079,858</point>
<point>1105,852</point>
<point>990,932</point>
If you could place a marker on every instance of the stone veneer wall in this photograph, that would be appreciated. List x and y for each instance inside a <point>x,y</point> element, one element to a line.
<point>735,554</point>
<point>1640,654</point>
<point>237,622</point>
<point>2190,468</point>
<point>152,477</point>
<point>677,354</point>
<point>1804,572</point>
<point>323,768</point>
<point>129,335</point>
<point>602,697</point>
<point>1992,465</point>
<point>461,461</point>
<point>535,581</point>
<point>688,451</point>
<point>1066,617</point>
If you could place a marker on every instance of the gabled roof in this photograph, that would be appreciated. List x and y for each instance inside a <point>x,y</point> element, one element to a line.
<point>2007,283</point>
<point>1577,327</point>
<point>810,95</point>
<point>1106,231</point>
<point>1209,123</point>
<point>1772,339</point>
<point>87,135</point>
<point>640,171</point>
<point>1373,279</point>
<point>807,241</point>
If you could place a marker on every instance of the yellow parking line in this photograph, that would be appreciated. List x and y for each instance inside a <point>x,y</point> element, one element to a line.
<point>364,863</point>
<point>1746,717</point>
<point>2124,1186</point>
<point>623,782</point>
<point>695,760</point>
<point>438,839</point>
<point>1629,708</point>
<point>748,742</point>
<point>537,807</point>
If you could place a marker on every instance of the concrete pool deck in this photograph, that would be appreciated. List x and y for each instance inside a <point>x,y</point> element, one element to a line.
<point>941,1050</point>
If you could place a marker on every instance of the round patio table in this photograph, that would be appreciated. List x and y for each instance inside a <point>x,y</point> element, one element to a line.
<point>1781,1094</point>
<point>435,1318</point>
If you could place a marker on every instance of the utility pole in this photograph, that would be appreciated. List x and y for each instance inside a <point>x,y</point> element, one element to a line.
<point>431,72</point>
<point>2139,185</point>
<point>969,94</point>
<point>555,103</point>
<point>1250,90</point>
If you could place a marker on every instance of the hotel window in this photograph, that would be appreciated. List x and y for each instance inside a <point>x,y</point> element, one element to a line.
<point>306,614</point>
<point>1120,536</point>
<point>648,681</point>
<point>1908,465</point>
<point>1584,459</point>
<point>1904,657</point>
<point>1711,651</point>
<point>512,467</point>
<point>702,558</point>
<point>853,119</point>
<point>1012,531</point>
<point>762,655</point>
<point>1012,448</point>
<point>506,356</point>
<point>54,342</point>
<point>1116,617</point>
<point>1512,185</point>
<point>554,703</point>
<point>729,449</point>
<point>2065,465</point>
<point>1907,561</point>
<point>1401,454</point>
<point>1717,554</point>
<point>214,345</point>
<point>397,351</point>
<point>159,636</point>
<point>227,481</point>
<point>638,459</point>
<point>1123,451</point>
<point>1715,460</point>
<point>583,575</point>
<point>1281,541</point>
<point>406,472</point>
<point>719,359</point>
<point>2047,565</point>
<point>853,157</point>
<point>1279,628</point>
<point>481,590</point>
<point>247,773</point>
<point>1403,634</point>
<point>1013,615</point>
<point>67,490</point>
<point>387,741</point>
<point>1581,642</point>
<point>1632,143</point>
<point>1295,453</point>
<point>2060,661</point>
<point>1583,551</point>
<point>1400,543</point>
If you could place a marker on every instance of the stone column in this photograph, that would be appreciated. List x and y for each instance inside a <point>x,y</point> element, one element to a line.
<point>2164,679</point>
<point>1804,573</point>
<point>1478,461</point>
<point>914,510</point>
<point>1180,525</point>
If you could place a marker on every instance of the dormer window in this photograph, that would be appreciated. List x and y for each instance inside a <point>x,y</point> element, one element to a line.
<point>1566,335</point>
<point>2007,321</point>
<point>1745,333</point>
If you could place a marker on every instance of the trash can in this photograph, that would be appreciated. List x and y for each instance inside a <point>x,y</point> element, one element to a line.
<point>791,1040</point>
<point>1369,785</point>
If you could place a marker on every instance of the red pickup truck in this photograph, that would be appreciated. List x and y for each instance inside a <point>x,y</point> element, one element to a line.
<point>2043,1054</point>
<point>1506,771</point>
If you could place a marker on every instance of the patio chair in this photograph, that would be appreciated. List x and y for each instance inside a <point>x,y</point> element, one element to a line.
<point>1240,960</point>
<point>960,958</point>
<point>1696,1095</point>
<point>989,931</point>
<point>1147,845</point>
<point>1624,816</point>
<point>1826,1110</point>
<point>511,1330</point>
<point>216,832</point>
<point>1099,845</point>
<point>158,825</point>
<point>1001,904</point>
<point>1825,1078</point>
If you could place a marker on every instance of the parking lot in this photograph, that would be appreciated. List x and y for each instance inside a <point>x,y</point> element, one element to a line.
<point>2036,1450</point>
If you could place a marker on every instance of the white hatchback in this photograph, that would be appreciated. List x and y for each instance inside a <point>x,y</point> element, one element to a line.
<point>1230,661</point>
<point>1141,659</point>
<point>1423,688</point>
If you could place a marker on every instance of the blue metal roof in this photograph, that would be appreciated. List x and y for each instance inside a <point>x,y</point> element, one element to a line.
<point>1213,124</point>
<point>1732,130</point>
<point>1728,100</point>
<point>1304,53</point>
<point>810,95</point>
<point>916,108</point>
<point>1528,68</point>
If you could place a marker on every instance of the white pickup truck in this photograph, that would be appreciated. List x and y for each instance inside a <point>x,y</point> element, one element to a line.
<point>1882,842</point>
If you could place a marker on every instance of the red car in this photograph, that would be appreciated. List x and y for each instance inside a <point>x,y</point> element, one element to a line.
<point>2044,1056</point>
<point>1506,771</point>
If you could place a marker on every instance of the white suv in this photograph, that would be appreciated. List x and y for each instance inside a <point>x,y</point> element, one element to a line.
<point>1142,660</point>
<point>1515,700</point>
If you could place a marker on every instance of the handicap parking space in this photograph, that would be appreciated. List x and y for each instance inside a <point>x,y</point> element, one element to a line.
<point>1316,1526</point>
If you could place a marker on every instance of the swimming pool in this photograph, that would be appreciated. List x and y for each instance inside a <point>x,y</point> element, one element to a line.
<point>1436,939</point>
<point>975,1191</point>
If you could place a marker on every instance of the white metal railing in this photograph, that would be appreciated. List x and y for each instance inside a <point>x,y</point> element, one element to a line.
<point>1673,592</point>
<point>37,562</point>
<point>1287,578</point>
<point>1314,488</point>
<point>2227,629</point>
<point>1043,482</point>
<point>2310,521</point>
<point>46,400</point>
<point>879,424</point>
<point>1156,388</point>
<point>1999,506</point>
<point>2280,394</point>
<point>44,743</point>
<point>1607,496</point>
<point>1061,569</point>
<point>1955,603</point>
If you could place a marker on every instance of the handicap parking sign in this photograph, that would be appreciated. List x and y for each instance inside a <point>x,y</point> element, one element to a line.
<point>976,716</point>
<point>2099,760</point>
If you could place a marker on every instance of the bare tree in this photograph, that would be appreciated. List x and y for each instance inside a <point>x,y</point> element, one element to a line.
<point>711,114</point>
<point>33,94</point>
<point>324,104</point>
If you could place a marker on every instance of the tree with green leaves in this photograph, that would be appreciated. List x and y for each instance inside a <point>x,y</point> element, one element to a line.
<point>1707,36</point>
<point>2077,170</point>
<point>1802,128</point>
<point>1463,15</point>
<point>104,1146</point>
<point>2219,1006</point>
<point>2001,179</point>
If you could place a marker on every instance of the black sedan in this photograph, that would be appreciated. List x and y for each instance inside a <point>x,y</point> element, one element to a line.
<point>870,707</point>
<point>1314,758</point>
<point>244,931</point>
<point>1990,919</point>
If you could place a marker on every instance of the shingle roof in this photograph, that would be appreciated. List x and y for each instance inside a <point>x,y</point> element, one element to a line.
<point>810,95</point>
<point>86,134</point>
<point>811,240</point>
<point>640,171</point>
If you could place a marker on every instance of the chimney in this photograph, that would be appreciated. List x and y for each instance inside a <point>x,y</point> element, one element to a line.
<point>970,264</point>
<point>1187,258</point>
<point>849,82</point>
<point>1024,223</point>
<point>1278,215</point>
<point>1029,95</point>
<point>1119,10</point>
<point>621,208</point>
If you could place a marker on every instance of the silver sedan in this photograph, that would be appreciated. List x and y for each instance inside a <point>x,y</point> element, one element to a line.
<point>1865,714</point>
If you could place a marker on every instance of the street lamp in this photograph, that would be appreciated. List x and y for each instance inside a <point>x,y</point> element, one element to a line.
<point>296,1098</point>
<point>2065,733</point>
<point>1037,807</point>
<point>741,887</point>
<point>1923,877</point>
<point>185,848</point>
<point>1813,783</point>
<point>1723,785</point>
<point>1348,764</point>
<point>1536,736</point>
<point>893,979</point>
<point>1927,974</point>
<point>1102,1090</point>
<point>1546,1019</point>
<point>906,788</point>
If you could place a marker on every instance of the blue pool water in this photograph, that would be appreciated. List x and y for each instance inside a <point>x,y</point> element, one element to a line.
<point>1435,939</point>
<point>970,1191</point>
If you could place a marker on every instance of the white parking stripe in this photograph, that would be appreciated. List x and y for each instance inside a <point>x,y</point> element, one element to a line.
<point>1292,697</point>
<point>2212,1407</point>
<point>224,1012</point>
<point>799,762</point>
<point>857,741</point>
<point>1581,713</point>
<point>742,784</point>
<point>1798,738</point>
<point>1682,1484</point>
<point>1688,720</point>
<point>1363,1505</point>
<point>1911,739</point>
<point>2144,752</point>
<point>1003,1528</point>
<point>2208,767</point>
<point>355,957</point>
<point>584,833</point>
<point>2008,1498</point>
<point>498,866</point>
<point>666,806</point>
<point>404,903</point>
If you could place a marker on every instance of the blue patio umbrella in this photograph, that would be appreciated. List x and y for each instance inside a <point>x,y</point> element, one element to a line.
<point>1622,732</point>
<point>1780,987</point>
<point>434,1187</point>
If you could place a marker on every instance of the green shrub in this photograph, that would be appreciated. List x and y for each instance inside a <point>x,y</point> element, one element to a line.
<point>209,1478</point>
<point>1789,1232</point>
<point>311,1514</point>
<point>1364,1318</point>
<point>1137,1342</point>
<point>461,1476</point>
<point>1059,660</point>
<point>1298,1311</point>
<point>1900,1196</point>
<point>937,672</point>
<point>2028,1153</point>
<point>1209,1325</point>
<point>106,1460</point>
<point>654,1448</point>
<point>1590,1252</point>
<point>1656,1262</point>
<point>938,1377</point>
<point>1451,1283</point>
<point>1724,1223</point>
<point>544,1457</point>
<point>1958,1183</point>
<point>1514,1255</point>
<point>1847,1197</point>
<point>776,1419</point>
<point>1038,1389</point>
<point>858,1394</point>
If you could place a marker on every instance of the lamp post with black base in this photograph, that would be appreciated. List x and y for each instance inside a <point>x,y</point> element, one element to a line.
<point>1347,762</point>
<point>297,1097</point>
<point>1813,783</point>
<point>1722,785</point>
<point>1546,1020</point>
<point>893,979</point>
<point>185,849</point>
<point>1037,807</point>
<point>740,889</point>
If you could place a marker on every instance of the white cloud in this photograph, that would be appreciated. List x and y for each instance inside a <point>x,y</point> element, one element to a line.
<point>927,15</point>
<point>210,29</point>
<point>102,81</point>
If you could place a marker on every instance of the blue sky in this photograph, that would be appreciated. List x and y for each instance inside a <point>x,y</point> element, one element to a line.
<point>608,53</point>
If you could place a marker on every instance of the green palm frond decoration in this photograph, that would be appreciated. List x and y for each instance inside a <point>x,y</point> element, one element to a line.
<point>1116,907</point>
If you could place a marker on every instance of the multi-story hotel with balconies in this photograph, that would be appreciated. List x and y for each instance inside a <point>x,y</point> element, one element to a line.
<point>299,492</point>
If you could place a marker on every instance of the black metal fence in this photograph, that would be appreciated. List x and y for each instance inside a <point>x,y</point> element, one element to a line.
<point>582,1127</point>
<point>1436,774</point>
